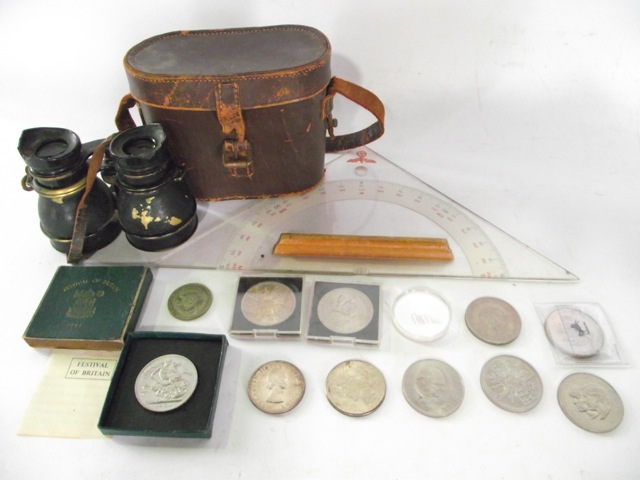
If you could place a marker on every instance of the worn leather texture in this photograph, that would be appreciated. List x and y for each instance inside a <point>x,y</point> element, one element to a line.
<point>246,110</point>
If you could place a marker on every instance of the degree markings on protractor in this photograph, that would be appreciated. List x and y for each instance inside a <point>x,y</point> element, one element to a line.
<point>248,242</point>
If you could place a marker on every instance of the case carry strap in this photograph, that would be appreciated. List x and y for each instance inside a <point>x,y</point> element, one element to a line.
<point>362,97</point>
<point>124,121</point>
<point>353,92</point>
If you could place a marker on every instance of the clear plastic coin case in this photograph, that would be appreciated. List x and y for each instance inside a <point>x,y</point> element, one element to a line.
<point>580,334</point>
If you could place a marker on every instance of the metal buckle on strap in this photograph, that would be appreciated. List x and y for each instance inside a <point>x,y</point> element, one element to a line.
<point>238,158</point>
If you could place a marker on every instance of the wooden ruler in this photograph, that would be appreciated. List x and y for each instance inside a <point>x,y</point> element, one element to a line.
<point>354,246</point>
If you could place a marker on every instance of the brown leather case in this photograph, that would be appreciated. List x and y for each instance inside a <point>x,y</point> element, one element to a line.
<point>246,110</point>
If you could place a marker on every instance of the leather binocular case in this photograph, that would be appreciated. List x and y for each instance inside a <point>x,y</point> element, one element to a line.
<point>247,111</point>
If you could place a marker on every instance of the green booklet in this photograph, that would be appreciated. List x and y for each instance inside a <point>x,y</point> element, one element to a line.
<point>91,308</point>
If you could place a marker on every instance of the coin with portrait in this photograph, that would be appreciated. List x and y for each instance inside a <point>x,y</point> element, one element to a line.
<point>276,387</point>
<point>493,320</point>
<point>190,301</point>
<point>166,383</point>
<point>590,402</point>
<point>433,388</point>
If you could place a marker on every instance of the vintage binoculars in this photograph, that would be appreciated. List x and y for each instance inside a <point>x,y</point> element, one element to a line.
<point>157,210</point>
<point>147,198</point>
<point>57,170</point>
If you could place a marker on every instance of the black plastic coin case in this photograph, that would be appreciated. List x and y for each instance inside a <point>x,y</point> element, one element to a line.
<point>318,331</point>
<point>122,414</point>
<point>291,326</point>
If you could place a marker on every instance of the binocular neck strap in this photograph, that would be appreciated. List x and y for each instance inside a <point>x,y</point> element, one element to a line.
<point>80,224</point>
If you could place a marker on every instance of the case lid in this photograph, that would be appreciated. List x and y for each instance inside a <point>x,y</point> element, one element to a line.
<point>269,65</point>
<point>89,307</point>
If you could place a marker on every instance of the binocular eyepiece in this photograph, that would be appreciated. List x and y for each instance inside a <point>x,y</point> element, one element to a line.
<point>57,170</point>
<point>157,210</point>
<point>148,201</point>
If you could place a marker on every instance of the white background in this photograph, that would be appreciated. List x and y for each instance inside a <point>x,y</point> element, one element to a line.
<point>528,112</point>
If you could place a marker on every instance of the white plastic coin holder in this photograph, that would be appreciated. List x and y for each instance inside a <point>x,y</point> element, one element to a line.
<point>421,315</point>
<point>267,307</point>
<point>345,313</point>
<point>580,334</point>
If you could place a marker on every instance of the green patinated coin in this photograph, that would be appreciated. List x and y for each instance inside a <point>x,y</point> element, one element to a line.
<point>190,301</point>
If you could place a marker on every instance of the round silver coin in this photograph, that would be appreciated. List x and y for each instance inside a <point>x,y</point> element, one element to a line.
<point>590,403</point>
<point>345,310</point>
<point>276,387</point>
<point>268,303</point>
<point>433,388</point>
<point>166,383</point>
<point>573,332</point>
<point>190,301</point>
<point>493,320</point>
<point>511,383</point>
<point>355,388</point>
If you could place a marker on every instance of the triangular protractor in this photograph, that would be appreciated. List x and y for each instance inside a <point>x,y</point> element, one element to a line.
<point>363,193</point>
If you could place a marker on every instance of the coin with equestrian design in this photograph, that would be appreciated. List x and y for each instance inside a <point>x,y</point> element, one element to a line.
<point>166,383</point>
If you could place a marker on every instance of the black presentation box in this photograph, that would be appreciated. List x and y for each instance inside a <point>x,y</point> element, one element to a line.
<point>123,414</point>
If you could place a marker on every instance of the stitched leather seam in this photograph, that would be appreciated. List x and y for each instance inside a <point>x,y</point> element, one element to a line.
<point>204,109</point>
<point>320,39</point>
<point>166,78</point>
<point>302,70</point>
